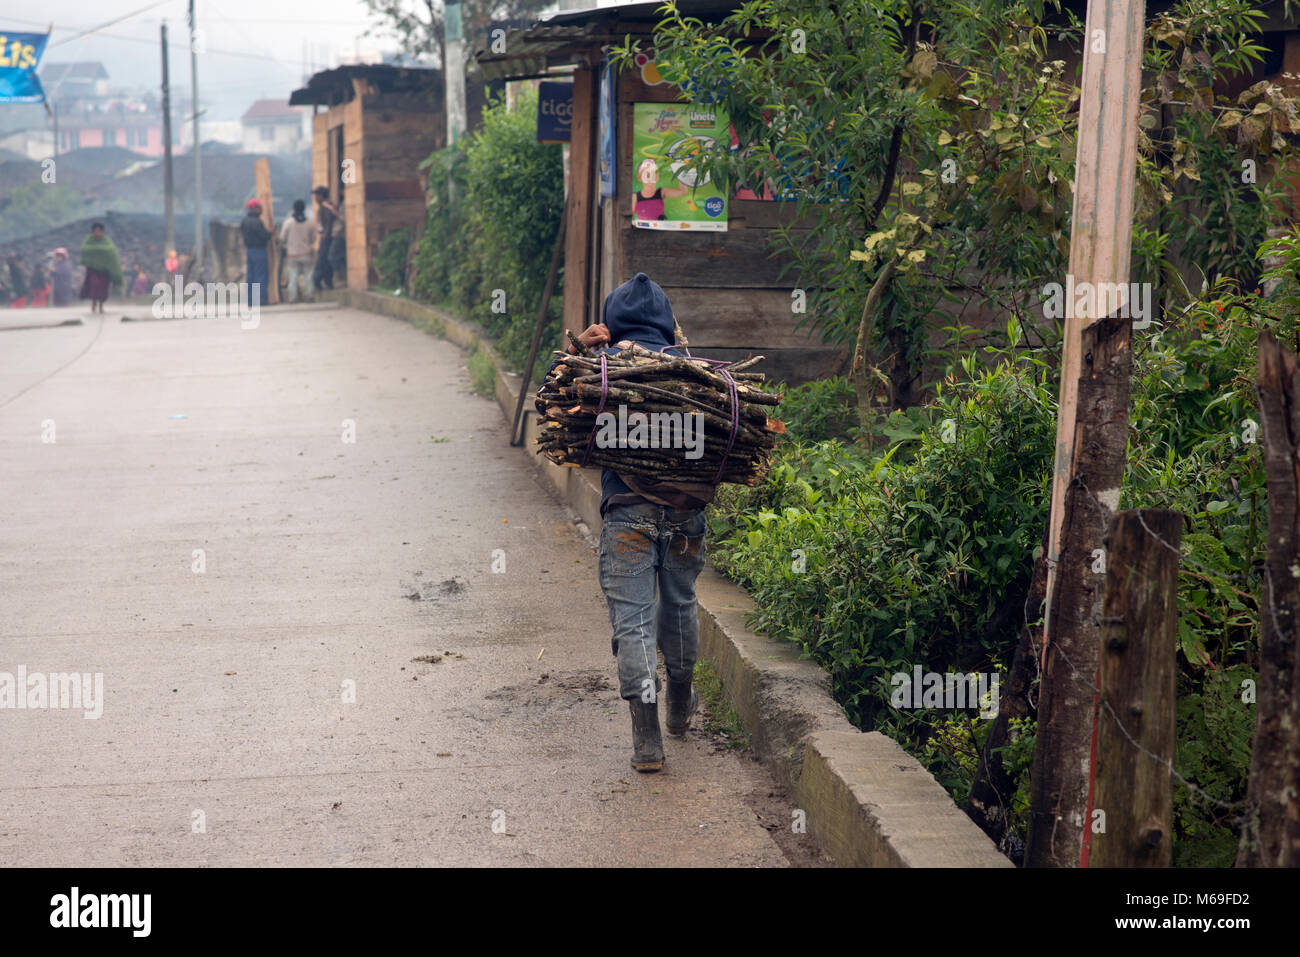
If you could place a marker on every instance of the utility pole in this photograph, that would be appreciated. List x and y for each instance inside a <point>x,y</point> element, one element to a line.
<point>1087,474</point>
<point>168,183</point>
<point>198,151</point>
<point>453,72</point>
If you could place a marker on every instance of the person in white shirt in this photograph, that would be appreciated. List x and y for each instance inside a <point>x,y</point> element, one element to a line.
<point>298,237</point>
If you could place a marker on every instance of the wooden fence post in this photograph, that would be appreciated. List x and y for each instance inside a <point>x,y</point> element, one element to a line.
<point>1270,835</point>
<point>1062,750</point>
<point>1101,229</point>
<point>1135,727</point>
<point>262,173</point>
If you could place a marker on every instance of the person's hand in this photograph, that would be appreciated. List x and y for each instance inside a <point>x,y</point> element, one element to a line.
<point>592,336</point>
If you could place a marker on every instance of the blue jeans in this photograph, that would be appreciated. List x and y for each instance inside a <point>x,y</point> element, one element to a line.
<point>257,276</point>
<point>650,556</point>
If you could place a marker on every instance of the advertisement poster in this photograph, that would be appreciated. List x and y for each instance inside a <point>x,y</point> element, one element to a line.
<point>19,55</point>
<point>606,142</point>
<point>666,193</point>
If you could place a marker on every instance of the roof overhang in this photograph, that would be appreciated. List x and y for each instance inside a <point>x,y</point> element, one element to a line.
<point>327,84</point>
<point>577,37</point>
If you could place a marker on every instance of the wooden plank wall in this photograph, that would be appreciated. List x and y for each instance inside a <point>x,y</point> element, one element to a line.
<point>584,190</point>
<point>724,287</point>
<point>388,135</point>
<point>320,158</point>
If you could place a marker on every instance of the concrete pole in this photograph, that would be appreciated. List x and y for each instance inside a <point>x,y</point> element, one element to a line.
<point>453,71</point>
<point>198,152</point>
<point>169,189</point>
<point>1100,239</point>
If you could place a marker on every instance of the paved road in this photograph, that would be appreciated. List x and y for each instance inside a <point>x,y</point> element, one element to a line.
<point>200,532</point>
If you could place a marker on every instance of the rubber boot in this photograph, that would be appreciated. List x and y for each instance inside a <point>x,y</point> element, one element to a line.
<point>647,743</point>
<point>683,700</point>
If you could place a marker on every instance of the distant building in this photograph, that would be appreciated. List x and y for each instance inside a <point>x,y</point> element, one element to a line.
<point>272,126</point>
<point>372,126</point>
<point>86,113</point>
<point>85,80</point>
<point>135,129</point>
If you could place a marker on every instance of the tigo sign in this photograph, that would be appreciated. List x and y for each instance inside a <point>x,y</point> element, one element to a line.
<point>554,111</point>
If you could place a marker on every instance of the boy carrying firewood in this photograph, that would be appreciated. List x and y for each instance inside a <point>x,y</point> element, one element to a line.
<point>651,548</point>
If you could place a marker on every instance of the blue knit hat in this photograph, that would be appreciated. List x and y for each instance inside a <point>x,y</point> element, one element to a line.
<point>639,310</point>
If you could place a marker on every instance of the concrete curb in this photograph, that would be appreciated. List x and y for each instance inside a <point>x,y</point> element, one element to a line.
<point>868,803</point>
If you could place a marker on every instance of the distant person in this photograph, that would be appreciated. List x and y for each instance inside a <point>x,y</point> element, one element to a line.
<point>103,268</point>
<point>339,247</point>
<point>64,295</point>
<point>39,290</point>
<point>128,282</point>
<point>172,263</point>
<point>17,282</point>
<point>256,236</point>
<point>327,215</point>
<point>140,287</point>
<point>298,237</point>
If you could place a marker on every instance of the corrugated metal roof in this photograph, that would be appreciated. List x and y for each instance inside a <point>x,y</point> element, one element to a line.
<point>569,37</point>
<point>385,77</point>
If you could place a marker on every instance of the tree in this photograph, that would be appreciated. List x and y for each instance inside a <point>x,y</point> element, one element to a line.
<point>419,25</point>
<point>929,145</point>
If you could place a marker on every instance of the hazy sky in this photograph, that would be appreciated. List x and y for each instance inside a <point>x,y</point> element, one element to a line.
<point>256,48</point>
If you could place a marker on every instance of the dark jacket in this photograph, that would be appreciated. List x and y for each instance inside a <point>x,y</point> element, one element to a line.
<point>17,281</point>
<point>255,233</point>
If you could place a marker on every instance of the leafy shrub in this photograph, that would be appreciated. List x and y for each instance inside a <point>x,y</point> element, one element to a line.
<point>482,373</point>
<point>390,264</point>
<point>443,249</point>
<point>912,560</point>
<point>905,563</point>
<point>490,227</point>
<point>818,410</point>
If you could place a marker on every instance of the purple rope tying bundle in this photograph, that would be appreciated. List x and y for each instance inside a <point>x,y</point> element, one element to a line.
<point>731,388</point>
<point>735,422</point>
<point>604,394</point>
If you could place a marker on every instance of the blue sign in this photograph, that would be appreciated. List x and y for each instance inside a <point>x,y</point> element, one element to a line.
<point>608,103</point>
<point>554,111</point>
<point>19,55</point>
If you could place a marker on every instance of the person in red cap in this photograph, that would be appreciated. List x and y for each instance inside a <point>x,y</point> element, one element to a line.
<point>256,236</point>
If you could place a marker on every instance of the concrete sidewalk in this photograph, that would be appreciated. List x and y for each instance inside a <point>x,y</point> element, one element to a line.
<point>327,565</point>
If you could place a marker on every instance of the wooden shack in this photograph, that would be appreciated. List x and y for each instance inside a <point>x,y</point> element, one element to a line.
<point>726,288</point>
<point>372,127</point>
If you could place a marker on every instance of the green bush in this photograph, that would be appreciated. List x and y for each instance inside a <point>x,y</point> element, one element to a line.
<point>490,228</point>
<point>443,249</point>
<point>818,410</point>
<point>390,264</point>
<point>903,564</point>
<point>482,373</point>
<point>910,555</point>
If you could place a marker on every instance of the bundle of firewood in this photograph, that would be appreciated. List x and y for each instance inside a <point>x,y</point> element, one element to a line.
<point>668,417</point>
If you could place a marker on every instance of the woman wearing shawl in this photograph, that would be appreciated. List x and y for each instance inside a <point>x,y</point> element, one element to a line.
<point>103,269</point>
